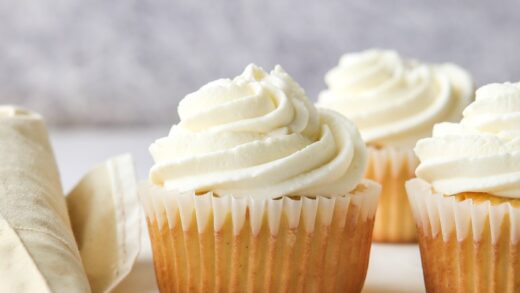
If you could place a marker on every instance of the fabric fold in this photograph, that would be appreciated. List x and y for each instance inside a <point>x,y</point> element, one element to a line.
<point>33,206</point>
<point>105,217</point>
<point>45,246</point>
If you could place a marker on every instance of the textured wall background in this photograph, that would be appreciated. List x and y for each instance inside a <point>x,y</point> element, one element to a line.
<point>130,61</point>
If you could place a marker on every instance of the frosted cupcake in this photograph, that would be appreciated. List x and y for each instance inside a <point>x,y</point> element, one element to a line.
<point>257,190</point>
<point>394,102</point>
<point>466,199</point>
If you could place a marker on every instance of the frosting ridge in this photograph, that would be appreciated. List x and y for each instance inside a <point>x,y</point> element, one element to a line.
<point>395,101</point>
<point>482,152</point>
<point>258,134</point>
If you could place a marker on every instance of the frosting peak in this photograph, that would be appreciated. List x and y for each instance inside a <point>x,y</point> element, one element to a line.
<point>482,152</point>
<point>395,101</point>
<point>258,134</point>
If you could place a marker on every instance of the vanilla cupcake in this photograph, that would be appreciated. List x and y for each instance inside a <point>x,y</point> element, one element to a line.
<point>466,199</point>
<point>394,102</point>
<point>257,190</point>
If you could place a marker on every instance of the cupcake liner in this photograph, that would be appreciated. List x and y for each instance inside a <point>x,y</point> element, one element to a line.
<point>206,243</point>
<point>466,246</point>
<point>392,167</point>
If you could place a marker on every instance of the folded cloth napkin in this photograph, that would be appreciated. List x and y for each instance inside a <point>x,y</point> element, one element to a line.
<point>45,246</point>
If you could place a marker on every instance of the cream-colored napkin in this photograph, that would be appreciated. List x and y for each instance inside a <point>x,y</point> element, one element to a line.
<point>38,250</point>
<point>106,222</point>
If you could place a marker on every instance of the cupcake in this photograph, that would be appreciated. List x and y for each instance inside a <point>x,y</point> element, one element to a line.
<point>466,197</point>
<point>394,102</point>
<point>255,190</point>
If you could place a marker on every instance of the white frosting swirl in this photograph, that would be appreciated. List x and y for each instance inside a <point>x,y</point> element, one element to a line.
<point>394,101</point>
<point>482,152</point>
<point>258,135</point>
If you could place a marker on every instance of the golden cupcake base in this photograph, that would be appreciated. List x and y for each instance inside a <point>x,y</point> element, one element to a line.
<point>303,245</point>
<point>467,244</point>
<point>391,168</point>
<point>468,266</point>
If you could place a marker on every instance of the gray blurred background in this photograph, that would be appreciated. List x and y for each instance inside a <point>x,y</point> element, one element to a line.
<point>129,62</point>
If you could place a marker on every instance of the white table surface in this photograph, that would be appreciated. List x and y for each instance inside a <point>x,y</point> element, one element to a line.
<point>392,268</point>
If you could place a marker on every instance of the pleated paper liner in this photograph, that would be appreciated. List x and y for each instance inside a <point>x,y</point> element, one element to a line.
<point>466,245</point>
<point>225,244</point>
<point>392,167</point>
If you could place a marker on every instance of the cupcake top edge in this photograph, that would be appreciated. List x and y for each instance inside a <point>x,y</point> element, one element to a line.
<point>394,101</point>
<point>258,135</point>
<point>481,153</point>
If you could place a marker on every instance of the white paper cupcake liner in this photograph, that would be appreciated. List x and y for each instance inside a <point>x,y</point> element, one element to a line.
<point>159,203</point>
<point>391,161</point>
<point>436,214</point>
<point>466,245</point>
<point>392,167</point>
<point>207,243</point>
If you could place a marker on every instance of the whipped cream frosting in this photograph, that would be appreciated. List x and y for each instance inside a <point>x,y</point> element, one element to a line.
<point>395,101</point>
<point>8,111</point>
<point>482,152</point>
<point>258,135</point>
